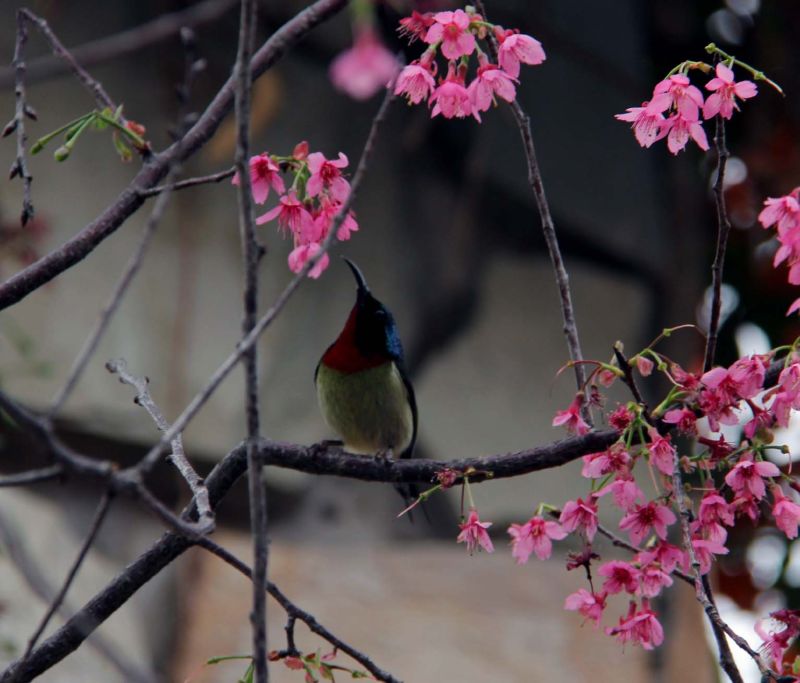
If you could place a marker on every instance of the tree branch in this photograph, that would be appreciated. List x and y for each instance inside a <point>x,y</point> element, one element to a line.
<point>523,122</point>
<point>32,476</point>
<point>723,230</point>
<point>189,182</point>
<point>20,165</point>
<point>295,613</point>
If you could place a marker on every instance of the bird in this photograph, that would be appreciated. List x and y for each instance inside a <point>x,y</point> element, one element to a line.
<point>363,389</point>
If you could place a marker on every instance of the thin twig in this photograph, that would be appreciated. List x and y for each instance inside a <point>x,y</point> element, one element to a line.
<point>294,612</point>
<point>250,256</point>
<point>101,97</point>
<point>32,476</point>
<point>630,380</point>
<point>178,456</point>
<point>548,229</point>
<point>132,40</point>
<point>20,165</point>
<point>703,596</point>
<point>189,182</point>
<point>103,320</point>
<point>247,342</point>
<point>94,529</point>
<point>723,230</point>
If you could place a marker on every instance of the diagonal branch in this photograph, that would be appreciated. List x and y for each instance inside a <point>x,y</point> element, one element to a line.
<point>723,230</point>
<point>548,229</point>
<point>294,613</point>
<point>178,456</point>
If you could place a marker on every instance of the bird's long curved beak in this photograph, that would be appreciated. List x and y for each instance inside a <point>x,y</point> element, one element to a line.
<point>357,274</point>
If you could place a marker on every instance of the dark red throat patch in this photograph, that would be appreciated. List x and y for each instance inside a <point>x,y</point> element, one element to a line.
<point>343,355</point>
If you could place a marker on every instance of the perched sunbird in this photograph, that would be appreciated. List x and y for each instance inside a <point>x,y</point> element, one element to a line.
<point>362,386</point>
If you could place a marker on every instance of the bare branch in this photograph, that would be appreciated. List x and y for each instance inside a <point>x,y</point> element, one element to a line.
<point>548,229</point>
<point>32,476</point>
<point>86,240</point>
<point>101,97</point>
<point>125,42</point>
<point>723,230</point>
<point>178,456</point>
<point>94,529</point>
<point>189,182</point>
<point>20,165</point>
<point>251,256</point>
<point>294,613</point>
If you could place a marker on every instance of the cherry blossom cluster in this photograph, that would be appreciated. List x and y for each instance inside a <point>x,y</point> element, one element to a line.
<point>736,480</point>
<point>783,213</point>
<point>673,112</point>
<point>731,480</point>
<point>308,208</point>
<point>455,35</point>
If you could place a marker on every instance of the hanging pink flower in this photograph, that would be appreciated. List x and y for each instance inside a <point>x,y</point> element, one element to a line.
<point>662,452</point>
<point>620,577</point>
<point>264,173</point>
<point>451,99</point>
<point>535,536</point>
<point>643,519</point>
<point>489,82</point>
<point>747,476</point>
<point>415,82</point>
<point>590,605</point>
<point>303,254</point>
<point>580,515</point>
<point>365,68</point>
<point>725,90</point>
<point>474,534</point>
<point>326,174</point>
<point>646,122</point>
<point>292,215</point>
<point>571,417</point>
<point>786,513</point>
<point>680,128</point>
<point>516,48</point>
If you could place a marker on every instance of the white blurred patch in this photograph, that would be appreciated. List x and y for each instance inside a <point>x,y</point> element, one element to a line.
<point>725,26</point>
<point>729,300</point>
<point>744,8</point>
<point>765,556</point>
<point>751,339</point>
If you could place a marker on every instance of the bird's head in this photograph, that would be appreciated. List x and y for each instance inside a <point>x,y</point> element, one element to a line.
<point>373,327</point>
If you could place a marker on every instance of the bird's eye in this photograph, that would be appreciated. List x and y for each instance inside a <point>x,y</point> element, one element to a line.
<point>380,313</point>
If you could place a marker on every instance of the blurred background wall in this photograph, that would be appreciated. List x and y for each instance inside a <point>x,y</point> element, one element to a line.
<point>450,240</point>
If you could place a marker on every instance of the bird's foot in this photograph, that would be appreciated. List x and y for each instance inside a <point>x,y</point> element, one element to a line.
<point>385,456</point>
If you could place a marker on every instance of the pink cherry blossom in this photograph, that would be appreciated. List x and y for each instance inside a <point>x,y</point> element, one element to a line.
<point>639,627</point>
<point>662,452</point>
<point>620,418</point>
<point>786,513</point>
<point>323,219</point>
<point>535,536</point>
<point>293,215</point>
<point>571,417</point>
<point>620,577</point>
<point>303,253</point>
<point>777,640</point>
<point>264,173</point>
<point>725,90</point>
<point>647,123</point>
<point>452,29</point>
<point>747,476</point>
<point>590,605</point>
<point>715,509</point>
<point>644,518</point>
<point>415,26</point>
<point>415,82</point>
<point>490,81</point>
<point>474,534</point>
<point>783,211</point>
<point>614,459</point>
<point>683,418</point>
<point>580,515</point>
<point>665,554</point>
<point>365,68</point>
<point>624,491</point>
<point>652,580</point>
<point>704,551</point>
<point>680,128</point>
<point>677,92</point>
<point>452,100</point>
<point>326,174</point>
<point>516,48</point>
